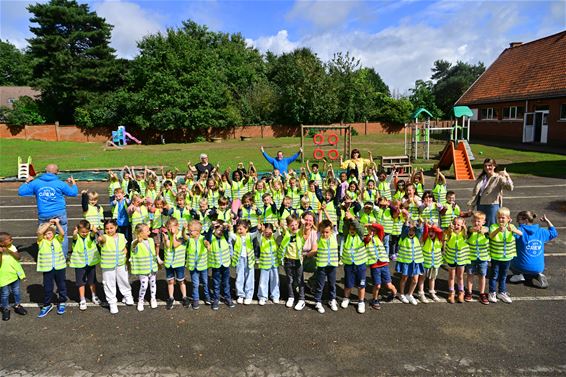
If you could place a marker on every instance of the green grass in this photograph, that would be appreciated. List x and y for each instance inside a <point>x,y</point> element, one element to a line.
<point>77,156</point>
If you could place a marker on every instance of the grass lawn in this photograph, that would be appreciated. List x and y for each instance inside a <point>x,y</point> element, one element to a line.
<point>77,156</point>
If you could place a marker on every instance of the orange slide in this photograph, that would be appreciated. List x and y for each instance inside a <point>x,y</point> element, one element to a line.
<point>459,157</point>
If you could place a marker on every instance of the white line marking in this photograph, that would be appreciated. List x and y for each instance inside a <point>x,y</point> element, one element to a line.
<point>34,206</point>
<point>532,197</point>
<point>30,237</point>
<point>35,220</point>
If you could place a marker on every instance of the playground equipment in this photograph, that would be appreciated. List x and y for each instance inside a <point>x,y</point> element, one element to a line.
<point>25,169</point>
<point>461,160</point>
<point>402,164</point>
<point>332,139</point>
<point>120,138</point>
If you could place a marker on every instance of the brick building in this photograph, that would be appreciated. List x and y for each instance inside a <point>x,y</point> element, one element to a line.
<point>8,94</point>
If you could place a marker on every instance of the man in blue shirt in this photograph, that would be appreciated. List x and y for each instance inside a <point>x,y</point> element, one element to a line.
<point>281,163</point>
<point>50,192</point>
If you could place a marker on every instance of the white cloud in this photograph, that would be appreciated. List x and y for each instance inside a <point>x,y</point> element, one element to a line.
<point>277,44</point>
<point>323,14</point>
<point>131,24</point>
<point>14,21</point>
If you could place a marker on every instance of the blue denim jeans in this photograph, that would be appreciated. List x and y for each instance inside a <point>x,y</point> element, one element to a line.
<point>221,280</point>
<point>198,278</point>
<point>498,274</point>
<point>490,211</point>
<point>386,243</point>
<point>14,288</point>
<point>245,279</point>
<point>269,284</point>
<point>322,274</point>
<point>62,216</point>
<point>51,278</point>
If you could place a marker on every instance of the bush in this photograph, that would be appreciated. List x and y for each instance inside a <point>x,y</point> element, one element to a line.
<point>25,111</point>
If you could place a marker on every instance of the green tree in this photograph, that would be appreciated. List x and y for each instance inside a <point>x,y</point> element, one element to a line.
<point>391,110</point>
<point>15,66</point>
<point>421,96</point>
<point>72,56</point>
<point>24,112</point>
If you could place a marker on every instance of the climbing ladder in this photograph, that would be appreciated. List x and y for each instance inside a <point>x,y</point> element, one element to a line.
<point>460,158</point>
<point>25,169</point>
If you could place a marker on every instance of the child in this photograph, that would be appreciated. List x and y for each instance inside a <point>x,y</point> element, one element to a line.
<point>329,208</point>
<point>219,257</point>
<point>370,193</point>
<point>249,212</point>
<point>326,265</point>
<point>478,242</point>
<point>180,211</point>
<point>456,256</point>
<point>412,203</point>
<point>113,263</point>
<point>197,262</point>
<point>396,228</point>
<point>224,212</point>
<point>113,184</point>
<point>92,211</point>
<point>51,262</point>
<point>432,254</point>
<point>120,206</point>
<point>138,212</point>
<point>175,258</point>
<point>502,249</point>
<point>410,260</point>
<point>384,218</point>
<point>529,263</point>
<point>384,184</point>
<point>158,220</point>
<point>417,180</point>
<point>429,210</point>
<point>378,260</point>
<point>449,211</point>
<point>314,173</point>
<point>144,263</point>
<point>439,189</point>
<point>292,251</point>
<point>269,213</point>
<point>269,261</point>
<point>11,272</point>
<point>243,260</point>
<point>84,259</point>
<point>354,258</point>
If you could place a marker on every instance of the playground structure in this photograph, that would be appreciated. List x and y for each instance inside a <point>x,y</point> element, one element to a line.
<point>332,139</point>
<point>25,169</point>
<point>120,138</point>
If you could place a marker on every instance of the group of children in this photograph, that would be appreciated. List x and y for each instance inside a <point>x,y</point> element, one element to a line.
<point>238,220</point>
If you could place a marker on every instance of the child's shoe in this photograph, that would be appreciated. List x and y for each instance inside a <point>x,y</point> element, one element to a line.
<point>393,257</point>
<point>215,305</point>
<point>319,307</point>
<point>468,296</point>
<point>96,300</point>
<point>460,297</point>
<point>375,304</point>
<point>390,297</point>
<point>247,301</point>
<point>518,278</point>
<point>240,300</point>
<point>361,307</point>
<point>276,301</point>
<point>45,310</point>
<point>333,305</point>
<point>185,302</point>
<point>128,301</point>
<point>61,308</point>
<point>207,301</point>
<point>195,305</point>
<point>82,305</point>
<point>412,300</point>
<point>450,298</point>
<point>345,303</point>
<point>290,302</point>
<point>504,296</point>
<point>229,303</point>
<point>492,297</point>
<point>300,305</point>
<point>403,299</point>
<point>262,301</point>
<point>20,310</point>
<point>5,314</point>
<point>434,297</point>
<point>153,303</point>
<point>169,303</point>
<point>422,298</point>
<point>113,309</point>
<point>483,299</point>
<point>140,306</point>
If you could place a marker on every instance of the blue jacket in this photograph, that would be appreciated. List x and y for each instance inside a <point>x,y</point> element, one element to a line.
<point>282,164</point>
<point>530,248</point>
<point>49,192</point>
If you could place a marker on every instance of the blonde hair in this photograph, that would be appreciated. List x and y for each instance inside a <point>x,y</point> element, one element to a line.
<point>172,221</point>
<point>194,224</point>
<point>139,228</point>
<point>305,200</point>
<point>478,215</point>
<point>45,227</point>
<point>504,211</point>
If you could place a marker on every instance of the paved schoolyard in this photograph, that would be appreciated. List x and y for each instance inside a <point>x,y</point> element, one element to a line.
<point>527,337</point>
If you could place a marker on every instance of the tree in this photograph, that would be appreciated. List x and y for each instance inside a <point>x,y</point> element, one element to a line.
<point>421,96</point>
<point>15,66</point>
<point>24,112</point>
<point>73,59</point>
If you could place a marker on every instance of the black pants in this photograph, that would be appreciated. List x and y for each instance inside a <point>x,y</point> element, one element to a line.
<point>51,278</point>
<point>323,273</point>
<point>295,277</point>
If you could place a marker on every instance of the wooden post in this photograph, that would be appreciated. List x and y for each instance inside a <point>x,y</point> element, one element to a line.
<point>302,144</point>
<point>366,127</point>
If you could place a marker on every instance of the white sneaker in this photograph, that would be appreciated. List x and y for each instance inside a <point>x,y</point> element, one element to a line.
<point>422,298</point>
<point>247,301</point>
<point>300,305</point>
<point>153,303</point>
<point>333,305</point>
<point>403,299</point>
<point>492,297</point>
<point>540,281</point>
<point>276,301</point>
<point>262,301</point>
<point>82,305</point>
<point>345,303</point>
<point>518,278</point>
<point>290,302</point>
<point>319,307</point>
<point>140,306</point>
<point>504,297</point>
<point>361,307</point>
<point>128,301</point>
<point>434,297</point>
<point>411,299</point>
<point>113,309</point>
<point>240,300</point>
<point>96,300</point>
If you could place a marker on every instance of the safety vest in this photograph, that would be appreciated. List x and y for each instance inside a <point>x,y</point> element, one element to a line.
<point>237,190</point>
<point>212,198</point>
<point>353,250</point>
<point>227,190</point>
<point>304,185</point>
<point>452,211</point>
<point>142,186</point>
<point>316,177</point>
<point>399,195</point>
<point>220,253</point>
<point>385,220</point>
<point>50,255</point>
<point>413,211</point>
<point>175,256</point>
<point>277,197</point>
<point>352,195</point>
<point>151,193</point>
<point>410,250</point>
<point>384,189</point>
<point>144,258</point>
<point>124,185</point>
<point>238,250</point>
<point>286,213</point>
<point>158,219</point>
<point>225,215</point>
<point>268,216</point>
<point>250,214</point>
<point>197,254</point>
<point>269,256</point>
<point>112,251</point>
<point>456,250</point>
<point>368,218</point>
<point>183,216</point>
<point>10,269</point>
<point>479,246</point>
<point>116,208</point>
<point>327,252</point>
<point>295,196</point>
<point>169,197</point>
<point>419,189</point>
<point>95,216</point>
<point>332,213</point>
<point>397,225</point>
<point>205,220</point>
<point>139,216</point>
<point>376,251</point>
<point>194,202</point>
<point>430,214</point>
<point>432,253</point>
<point>370,196</point>
<point>85,252</point>
<point>299,242</point>
<point>258,196</point>
<point>439,192</point>
<point>113,186</point>
<point>502,247</point>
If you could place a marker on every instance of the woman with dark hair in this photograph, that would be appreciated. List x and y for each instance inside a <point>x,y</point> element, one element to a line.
<point>487,194</point>
<point>356,163</point>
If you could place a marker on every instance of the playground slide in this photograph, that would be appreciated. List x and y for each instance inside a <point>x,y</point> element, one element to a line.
<point>459,157</point>
<point>127,134</point>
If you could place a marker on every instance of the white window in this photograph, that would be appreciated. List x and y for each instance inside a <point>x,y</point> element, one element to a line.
<point>11,100</point>
<point>488,113</point>
<point>513,112</point>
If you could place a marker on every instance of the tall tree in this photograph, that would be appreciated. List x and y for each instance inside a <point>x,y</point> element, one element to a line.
<point>421,96</point>
<point>72,55</point>
<point>15,66</point>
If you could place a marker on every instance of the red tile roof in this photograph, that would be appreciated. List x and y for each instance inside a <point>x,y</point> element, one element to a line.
<point>535,69</point>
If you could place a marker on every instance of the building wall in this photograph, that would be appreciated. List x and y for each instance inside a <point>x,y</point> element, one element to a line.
<point>9,93</point>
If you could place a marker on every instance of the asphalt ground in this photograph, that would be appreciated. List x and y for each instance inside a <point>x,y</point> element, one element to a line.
<point>524,338</point>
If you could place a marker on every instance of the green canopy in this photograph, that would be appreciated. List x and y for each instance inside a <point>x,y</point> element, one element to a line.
<point>421,110</point>
<point>460,111</point>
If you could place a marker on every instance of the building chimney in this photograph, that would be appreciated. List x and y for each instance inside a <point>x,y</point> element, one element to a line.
<point>515,44</point>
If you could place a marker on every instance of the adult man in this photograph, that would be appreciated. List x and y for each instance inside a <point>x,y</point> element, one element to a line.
<point>279,162</point>
<point>50,194</point>
<point>204,165</point>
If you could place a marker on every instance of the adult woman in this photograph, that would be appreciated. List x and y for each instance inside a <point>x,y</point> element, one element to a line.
<point>310,246</point>
<point>356,163</point>
<point>487,194</point>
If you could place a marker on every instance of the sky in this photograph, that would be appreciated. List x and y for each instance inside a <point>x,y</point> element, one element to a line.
<point>399,38</point>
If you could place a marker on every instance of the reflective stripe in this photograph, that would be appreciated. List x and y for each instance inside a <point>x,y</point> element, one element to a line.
<point>376,251</point>
<point>197,254</point>
<point>50,255</point>
<point>503,246</point>
<point>112,251</point>
<point>95,216</point>
<point>219,253</point>
<point>384,189</point>
<point>85,252</point>
<point>268,254</point>
<point>327,252</point>
<point>456,250</point>
<point>479,246</point>
<point>144,258</point>
<point>432,253</point>
<point>354,251</point>
<point>410,250</point>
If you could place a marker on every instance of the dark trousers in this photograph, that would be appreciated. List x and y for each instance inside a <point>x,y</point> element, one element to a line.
<point>322,274</point>
<point>127,232</point>
<point>295,277</point>
<point>393,244</point>
<point>51,278</point>
<point>221,279</point>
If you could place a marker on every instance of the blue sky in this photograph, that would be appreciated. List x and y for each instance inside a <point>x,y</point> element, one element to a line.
<point>399,38</point>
